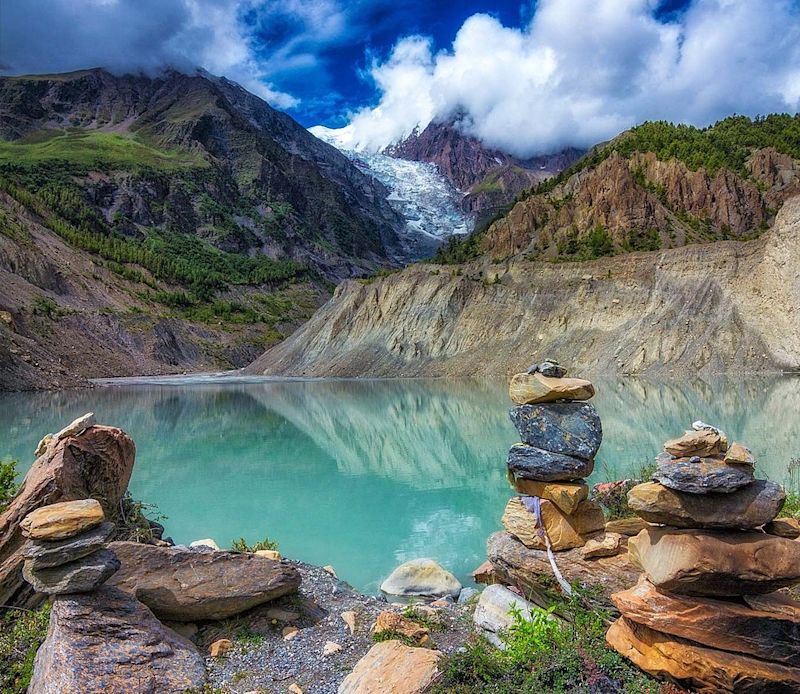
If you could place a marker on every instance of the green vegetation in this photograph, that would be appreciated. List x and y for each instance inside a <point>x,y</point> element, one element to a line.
<point>8,482</point>
<point>241,545</point>
<point>133,525</point>
<point>21,634</point>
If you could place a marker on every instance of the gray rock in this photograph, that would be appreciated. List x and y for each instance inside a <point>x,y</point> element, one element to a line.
<point>701,475</point>
<point>423,578</point>
<point>493,612</point>
<point>571,428</point>
<point>549,367</point>
<point>43,554</point>
<point>466,595</point>
<point>79,576</point>
<point>533,463</point>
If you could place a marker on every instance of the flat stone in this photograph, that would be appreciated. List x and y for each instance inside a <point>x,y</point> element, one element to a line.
<point>493,612</point>
<point>391,666</point>
<point>484,574</point>
<point>739,454</point>
<point>748,507</point>
<point>43,554</point>
<point>392,623</point>
<point>423,578</point>
<point>564,531</point>
<point>607,545</point>
<point>282,615</point>
<point>106,641</point>
<point>565,495</point>
<point>78,576</point>
<point>721,624</point>
<point>220,647</point>
<point>783,527</point>
<point>529,389</point>
<point>715,562</point>
<point>570,428</point>
<point>776,603</point>
<point>703,475</point>
<point>697,667</point>
<point>626,526</point>
<point>62,520</point>
<point>532,463</point>
<point>273,554</point>
<point>702,443</point>
<point>77,426</point>
<point>185,585</point>
<point>330,648</point>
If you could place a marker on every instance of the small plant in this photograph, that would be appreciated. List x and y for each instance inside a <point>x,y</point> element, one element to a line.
<point>416,615</point>
<point>133,524</point>
<point>8,482</point>
<point>241,545</point>
<point>45,306</point>
<point>527,638</point>
<point>21,634</point>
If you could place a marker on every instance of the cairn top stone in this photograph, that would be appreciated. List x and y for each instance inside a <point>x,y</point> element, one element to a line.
<point>701,443</point>
<point>549,367</point>
<point>530,389</point>
<point>62,520</point>
<point>739,454</point>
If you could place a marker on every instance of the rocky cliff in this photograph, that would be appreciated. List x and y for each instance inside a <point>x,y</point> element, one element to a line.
<point>707,308</point>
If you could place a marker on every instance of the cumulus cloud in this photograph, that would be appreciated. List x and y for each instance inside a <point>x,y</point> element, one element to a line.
<point>134,35</point>
<point>584,70</point>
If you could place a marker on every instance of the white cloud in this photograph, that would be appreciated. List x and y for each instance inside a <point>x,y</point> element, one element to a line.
<point>584,70</point>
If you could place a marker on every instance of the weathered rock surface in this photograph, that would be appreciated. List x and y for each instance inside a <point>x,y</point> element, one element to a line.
<point>703,442</point>
<point>549,367</point>
<point>106,641</point>
<point>421,577</point>
<point>78,576</point>
<point>784,527</point>
<point>704,670</point>
<point>391,666</point>
<point>626,526</point>
<point>748,507</point>
<point>571,428</point>
<point>739,454</point>
<point>185,585</point>
<point>493,612</point>
<point>519,566</point>
<point>97,464</point>
<point>607,545</point>
<point>543,466</point>
<point>564,531</point>
<point>716,563</point>
<point>529,389</point>
<point>42,554</point>
<point>778,603</point>
<point>701,476</point>
<point>725,625</point>
<point>392,623</point>
<point>565,495</point>
<point>62,520</point>
<point>76,426</point>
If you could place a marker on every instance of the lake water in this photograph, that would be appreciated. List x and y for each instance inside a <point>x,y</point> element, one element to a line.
<point>365,474</point>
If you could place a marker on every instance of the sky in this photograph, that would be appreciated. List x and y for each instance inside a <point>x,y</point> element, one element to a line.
<point>529,77</point>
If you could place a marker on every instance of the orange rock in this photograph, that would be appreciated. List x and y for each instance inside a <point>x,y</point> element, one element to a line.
<point>485,574</point>
<point>392,623</point>
<point>626,526</point>
<point>565,532</point>
<point>784,527</point>
<point>565,495</point>
<point>63,520</point>
<point>739,454</point>
<point>702,443</point>
<point>529,389</point>
<point>393,667</point>
<point>219,648</point>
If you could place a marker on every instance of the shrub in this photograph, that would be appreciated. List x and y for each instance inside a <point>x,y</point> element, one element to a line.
<point>241,545</point>
<point>8,482</point>
<point>21,634</point>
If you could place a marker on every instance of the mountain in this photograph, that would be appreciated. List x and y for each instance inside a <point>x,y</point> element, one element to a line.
<point>668,249</point>
<point>156,224</point>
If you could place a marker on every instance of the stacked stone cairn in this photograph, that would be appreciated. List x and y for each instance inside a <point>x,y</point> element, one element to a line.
<point>66,548</point>
<point>706,613</point>
<point>560,433</point>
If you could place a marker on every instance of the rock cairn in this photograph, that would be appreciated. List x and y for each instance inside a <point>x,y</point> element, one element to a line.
<point>560,433</point>
<point>66,548</point>
<point>705,612</point>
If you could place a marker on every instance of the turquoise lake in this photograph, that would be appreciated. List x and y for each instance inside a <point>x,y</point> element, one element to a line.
<point>365,474</point>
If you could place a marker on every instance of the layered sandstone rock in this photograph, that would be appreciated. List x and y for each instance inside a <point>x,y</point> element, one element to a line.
<point>529,389</point>
<point>566,495</point>
<point>62,520</point>
<point>391,666</point>
<point>565,531</point>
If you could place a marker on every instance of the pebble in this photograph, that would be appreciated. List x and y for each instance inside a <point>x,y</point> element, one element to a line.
<point>349,618</point>
<point>330,648</point>
<point>220,647</point>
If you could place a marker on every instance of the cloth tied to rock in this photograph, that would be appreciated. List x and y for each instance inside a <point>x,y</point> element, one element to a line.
<point>534,505</point>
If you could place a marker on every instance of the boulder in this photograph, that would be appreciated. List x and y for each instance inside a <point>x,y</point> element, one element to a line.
<point>564,532</point>
<point>739,454</point>
<point>97,464</point>
<point>701,475</point>
<point>517,565</point>
<point>715,563</point>
<point>748,507</point>
<point>607,545</point>
<point>42,554</point>
<point>530,389</point>
<point>107,641</point>
<point>724,625</point>
<point>421,578</point>
<point>701,443</point>
<point>626,526</point>
<point>78,576</point>
<point>391,666</point>
<point>571,428</point>
<point>493,612</point>
<point>185,585</point>
<point>784,527</point>
<point>701,669</point>
<point>63,520</point>
<point>392,623</point>
<point>528,462</point>
<point>565,495</point>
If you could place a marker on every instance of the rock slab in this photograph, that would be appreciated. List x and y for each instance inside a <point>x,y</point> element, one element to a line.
<point>391,666</point>
<point>701,476</point>
<point>704,442</point>
<point>78,576</point>
<point>530,389</point>
<point>43,554</point>
<point>529,462</point>
<point>565,495</point>
<point>571,428</point>
<point>62,520</point>
<point>564,531</point>
<point>107,641</point>
<point>423,578</point>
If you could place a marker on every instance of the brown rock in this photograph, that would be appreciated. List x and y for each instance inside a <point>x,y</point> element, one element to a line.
<point>626,526</point>
<point>289,633</point>
<point>349,618</point>
<point>393,623</point>
<point>106,641</point>
<point>784,527</point>
<point>529,389</point>
<point>485,574</point>
<point>739,454</point>
<point>715,563</point>
<point>220,647</point>
<point>565,532</point>
<point>330,648</point>
<point>391,666</point>
<point>724,625</point>
<point>779,603</point>
<point>704,670</point>
<point>702,443</point>
<point>63,520</point>
<point>565,495</point>
<point>185,586</point>
<point>607,545</point>
<point>96,465</point>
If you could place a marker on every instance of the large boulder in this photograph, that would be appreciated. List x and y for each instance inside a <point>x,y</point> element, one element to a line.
<point>391,666</point>
<point>564,531</point>
<point>42,554</point>
<point>530,389</point>
<point>493,613</point>
<point>62,520</point>
<point>79,576</point>
<point>722,624</point>
<point>571,428</point>
<point>185,585</point>
<point>529,462</point>
<point>95,464</point>
<point>716,563</point>
<point>748,507</point>
<point>565,495</point>
<point>701,669</point>
<point>701,475</point>
<point>422,578</point>
<point>106,641</point>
